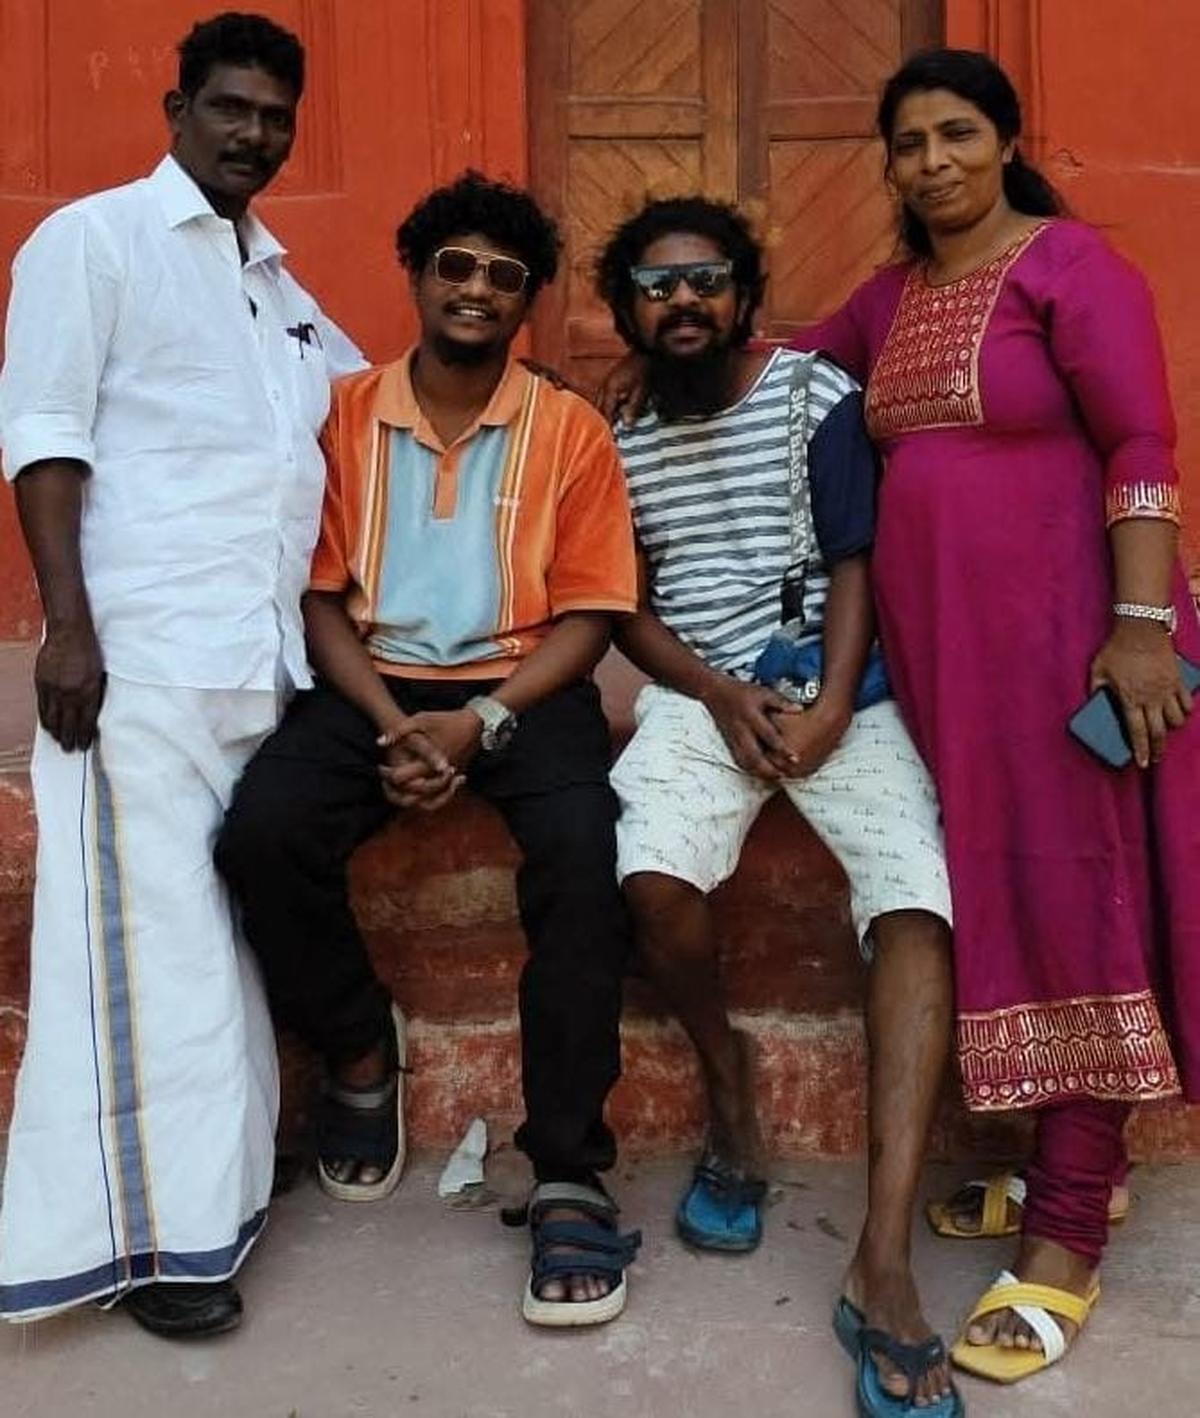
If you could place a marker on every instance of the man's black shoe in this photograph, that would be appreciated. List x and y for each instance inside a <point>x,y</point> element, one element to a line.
<point>181,1310</point>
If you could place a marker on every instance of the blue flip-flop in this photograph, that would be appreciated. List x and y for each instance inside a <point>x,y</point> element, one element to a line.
<point>861,1342</point>
<point>722,1208</point>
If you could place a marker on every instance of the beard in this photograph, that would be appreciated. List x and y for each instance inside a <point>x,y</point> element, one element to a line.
<point>462,355</point>
<point>689,386</point>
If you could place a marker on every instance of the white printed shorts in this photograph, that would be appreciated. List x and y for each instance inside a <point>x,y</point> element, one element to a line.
<point>686,807</point>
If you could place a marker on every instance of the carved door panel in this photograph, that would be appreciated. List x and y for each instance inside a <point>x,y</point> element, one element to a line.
<point>626,97</point>
<point>766,99</point>
<point>811,72</point>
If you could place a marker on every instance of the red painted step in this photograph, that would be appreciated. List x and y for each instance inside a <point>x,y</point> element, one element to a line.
<point>437,904</point>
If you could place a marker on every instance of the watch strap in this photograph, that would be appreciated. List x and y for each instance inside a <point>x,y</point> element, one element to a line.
<point>498,721</point>
<point>1133,610</point>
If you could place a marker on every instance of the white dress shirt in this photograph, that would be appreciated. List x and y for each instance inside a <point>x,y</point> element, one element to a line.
<point>139,343</point>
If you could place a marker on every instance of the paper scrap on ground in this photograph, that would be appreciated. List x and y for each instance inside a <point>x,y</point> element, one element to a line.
<point>465,1167</point>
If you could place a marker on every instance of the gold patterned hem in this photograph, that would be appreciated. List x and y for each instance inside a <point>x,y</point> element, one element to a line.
<point>1111,1047</point>
<point>927,373</point>
<point>1158,500</point>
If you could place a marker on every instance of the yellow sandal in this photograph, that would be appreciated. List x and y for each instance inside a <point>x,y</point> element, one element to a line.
<point>1037,1305</point>
<point>997,1191</point>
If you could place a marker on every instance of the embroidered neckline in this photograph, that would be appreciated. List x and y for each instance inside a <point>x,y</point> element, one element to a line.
<point>926,374</point>
<point>1008,253</point>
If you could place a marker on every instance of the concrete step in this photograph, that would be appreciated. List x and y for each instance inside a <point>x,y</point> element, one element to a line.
<point>437,904</point>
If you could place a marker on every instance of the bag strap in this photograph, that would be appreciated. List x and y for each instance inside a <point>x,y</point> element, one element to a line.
<point>802,533</point>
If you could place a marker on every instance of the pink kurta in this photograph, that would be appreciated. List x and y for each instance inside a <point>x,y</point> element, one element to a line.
<point>1017,410</point>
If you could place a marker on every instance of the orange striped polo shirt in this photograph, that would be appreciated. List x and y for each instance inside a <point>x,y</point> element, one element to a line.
<point>456,560</point>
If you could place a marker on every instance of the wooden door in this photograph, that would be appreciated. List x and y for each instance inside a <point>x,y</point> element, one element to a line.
<point>810,76</point>
<point>770,100</point>
<point>625,97</point>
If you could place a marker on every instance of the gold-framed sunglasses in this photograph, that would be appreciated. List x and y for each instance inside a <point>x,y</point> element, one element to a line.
<point>457,264</point>
<point>704,278</point>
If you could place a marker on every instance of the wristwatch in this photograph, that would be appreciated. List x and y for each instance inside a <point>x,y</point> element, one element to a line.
<point>1163,615</point>
<point>802,692</point>
<point>499,722</point>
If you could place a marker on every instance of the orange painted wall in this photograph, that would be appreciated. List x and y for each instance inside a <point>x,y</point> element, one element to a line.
<point>414,90</point>
<point>402,94</point>
<point>1113,112</point>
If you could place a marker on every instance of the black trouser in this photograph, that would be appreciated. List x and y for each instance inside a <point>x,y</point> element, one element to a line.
<point>312,794</point>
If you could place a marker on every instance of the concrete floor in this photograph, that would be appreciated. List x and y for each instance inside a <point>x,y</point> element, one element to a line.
<point>410,1308</point>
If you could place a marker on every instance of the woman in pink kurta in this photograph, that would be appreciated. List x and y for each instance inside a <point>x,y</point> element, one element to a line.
<point>1020,404</point>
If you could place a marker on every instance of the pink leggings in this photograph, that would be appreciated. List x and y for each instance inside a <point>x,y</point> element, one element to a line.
<point>1079,1156</point>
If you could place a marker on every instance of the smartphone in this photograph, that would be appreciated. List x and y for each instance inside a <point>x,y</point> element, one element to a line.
<point>1099,724</point>
<point>1100,727</point>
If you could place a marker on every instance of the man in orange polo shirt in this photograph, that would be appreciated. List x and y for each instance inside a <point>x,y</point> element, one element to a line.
<point>475,544</point>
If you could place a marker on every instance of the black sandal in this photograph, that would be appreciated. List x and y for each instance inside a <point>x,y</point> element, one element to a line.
<point>366,1126</point>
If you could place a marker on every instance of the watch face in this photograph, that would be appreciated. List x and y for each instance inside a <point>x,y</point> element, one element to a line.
<point>497,737</point>
<point>498,725</point>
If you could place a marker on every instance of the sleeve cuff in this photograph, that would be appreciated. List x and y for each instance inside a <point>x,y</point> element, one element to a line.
<point>861,547</point>
<point>616,604</point>
<point>35,437</point>
<point>1143,499</point>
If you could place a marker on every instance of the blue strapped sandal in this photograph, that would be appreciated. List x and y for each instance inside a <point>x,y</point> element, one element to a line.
<point>722,1209</point>
<point>913,1360</point>
<point>591,1246</point>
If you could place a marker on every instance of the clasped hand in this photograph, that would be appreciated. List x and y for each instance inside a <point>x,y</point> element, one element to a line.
<point>425,755</point>
<point>771,736</point>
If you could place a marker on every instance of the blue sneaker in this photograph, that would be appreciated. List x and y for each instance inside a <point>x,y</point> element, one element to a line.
<point>722,1209</point>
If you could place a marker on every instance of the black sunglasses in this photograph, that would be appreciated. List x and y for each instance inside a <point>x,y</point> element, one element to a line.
<point>704,278</point>
<point>456,265</point>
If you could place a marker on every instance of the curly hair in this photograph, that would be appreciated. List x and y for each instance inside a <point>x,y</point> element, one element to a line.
<point>473,203</point>
<point>244,40</point>
<point>697,216</point>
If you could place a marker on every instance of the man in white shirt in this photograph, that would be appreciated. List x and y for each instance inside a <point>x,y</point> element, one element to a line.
<point>164,386</point>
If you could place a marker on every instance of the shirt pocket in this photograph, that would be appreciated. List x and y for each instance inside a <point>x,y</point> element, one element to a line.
<point>307,371</point>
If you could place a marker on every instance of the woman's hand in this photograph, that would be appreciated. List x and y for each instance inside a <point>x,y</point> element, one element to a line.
<point>623,389</point>
<point>1137,662</point>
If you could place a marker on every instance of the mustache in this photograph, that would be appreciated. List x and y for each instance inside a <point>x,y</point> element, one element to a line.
<point>254,156</point>
<point>679,318</point>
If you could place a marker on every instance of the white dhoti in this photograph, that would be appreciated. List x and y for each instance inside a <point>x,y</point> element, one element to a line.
<point>142,1143</point>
